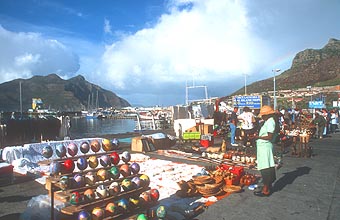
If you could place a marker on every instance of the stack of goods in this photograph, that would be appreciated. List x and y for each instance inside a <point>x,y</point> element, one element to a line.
<point>240,157</point>
<point>105,185</point>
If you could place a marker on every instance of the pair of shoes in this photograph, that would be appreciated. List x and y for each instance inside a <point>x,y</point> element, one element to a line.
<point>261,194</point>
<point>234,145</point>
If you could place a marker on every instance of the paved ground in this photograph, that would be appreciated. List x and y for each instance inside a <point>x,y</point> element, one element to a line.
<point>306,188</point>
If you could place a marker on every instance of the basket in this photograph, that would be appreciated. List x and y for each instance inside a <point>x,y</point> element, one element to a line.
<point>232,189</point>
<point>208,189</point>
<point>201,180</point>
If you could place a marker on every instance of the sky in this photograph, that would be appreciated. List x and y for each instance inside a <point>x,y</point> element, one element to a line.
<point>148,51</point>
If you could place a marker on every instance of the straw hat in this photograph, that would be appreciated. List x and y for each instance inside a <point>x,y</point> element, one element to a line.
<point>266,110</point>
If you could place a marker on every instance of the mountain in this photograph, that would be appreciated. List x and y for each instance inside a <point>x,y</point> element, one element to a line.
<point>56,93</point>
<point>311,67</point>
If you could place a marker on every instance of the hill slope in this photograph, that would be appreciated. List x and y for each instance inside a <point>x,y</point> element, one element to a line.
<point>56,93</point>
<point>310,67</point>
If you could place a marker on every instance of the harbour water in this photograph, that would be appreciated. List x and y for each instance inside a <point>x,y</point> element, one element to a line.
<point>82,127</point>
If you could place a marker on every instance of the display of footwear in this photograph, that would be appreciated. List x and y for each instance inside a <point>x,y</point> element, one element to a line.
<point>261,194</point>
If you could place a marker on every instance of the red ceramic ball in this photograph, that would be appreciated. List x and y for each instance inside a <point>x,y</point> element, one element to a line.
<point>154,194</point>
<point>114,158</point>
<point>95,146</point>
<point>68,166</point>
<point>110,208</point>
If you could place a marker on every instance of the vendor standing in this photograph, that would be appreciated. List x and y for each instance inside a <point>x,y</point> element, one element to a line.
<point>265,157</point>
<point>248,119</point>
<point>232,125</point>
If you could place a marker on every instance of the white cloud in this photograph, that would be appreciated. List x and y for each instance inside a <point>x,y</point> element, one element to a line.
<point>210,39</point>
<point>23,55</point>
<point>107,27</point>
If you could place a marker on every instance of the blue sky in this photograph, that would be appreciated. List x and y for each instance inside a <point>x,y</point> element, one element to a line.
<point>146,51</point>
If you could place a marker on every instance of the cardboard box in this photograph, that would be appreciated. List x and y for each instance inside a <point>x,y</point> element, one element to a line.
<point>137,144</point>
<point>191,136</point>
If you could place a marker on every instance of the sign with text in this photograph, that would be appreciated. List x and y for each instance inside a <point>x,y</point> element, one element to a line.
<point>316,104</point>
<point>251,101</point>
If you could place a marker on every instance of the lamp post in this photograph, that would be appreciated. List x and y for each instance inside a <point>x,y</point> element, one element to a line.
<point>245,84</point>
<point>275,101</point>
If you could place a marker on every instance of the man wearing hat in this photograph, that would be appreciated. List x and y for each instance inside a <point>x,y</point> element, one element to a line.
<point>265,158</point>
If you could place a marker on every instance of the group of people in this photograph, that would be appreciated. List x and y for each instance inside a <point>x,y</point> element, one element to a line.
<point>326,122</point>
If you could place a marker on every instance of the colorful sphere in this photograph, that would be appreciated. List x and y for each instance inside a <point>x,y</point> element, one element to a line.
<point>110,208</point>
<point>93,162</point>
<point>47,151</point>
<point>124,169</point>
<point>114,189</point>
<point>145,196</point>
<point>97,213</point>
<point>64,183</point>
<point>60,150</point>
<point>105,160</point>
<point>115,143</point>
<point>90,178</point>
<point>82,163</point>
<point>84,147</point>
<point>75,198</point>
<point>68,166</point>
<point>154,195</point>
<point>114,158</point>
<point>142,217</point>
<point>72,149</point>
<point>135,168</point>
<point>84,215</point>
<point>106,144</point>
<point>114,172</point>
<point>55,168</point>
<point>89,195</point>
<point>136,182</point>
<point>123,204</point>
<point>126,156</point>
<point>127,184</point>
<point>102,175</point>
<point>161,212</point>
<point>79,180</point>
<point>145,181</point>
<point>95,146</point>
<point>134,202</point>
<point>102,191</point>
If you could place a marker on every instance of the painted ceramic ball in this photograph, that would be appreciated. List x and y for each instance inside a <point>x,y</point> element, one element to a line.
<point>114,172</point>
<point>90,178</point>
<point>102,175</point>
<point>142,217</point>
<point>110,208</point>
<point>154,195</point>
<point>72,149</point>
<point>64,183</point>
<point>84,215</point>
<point>145,196</point>
<point>84,147</point>
<point>123,204</point>
<point>60,150</point>
<point>97,213</point>
<point>115,143</point>
<point>134,202</point>
<point>95,146</point>
<point>82,163</point>
<point>106,144</point>
<point>89,195</point>
<point>102,191</point>
<point>55,168</point>
<point>47,151</point>
<point>75,198</point>
<point>114,156</point>
<point>79,180</point>
<point>136,182</point>
<point>105,160</point>
<point>145,181</point>
<point>68,166</point>
<point>126,156</point>
<point>124,169</point>
<point>161,212</point>
<point>114,188</point>
<point>93,162</point>
<point>127,184</point>
<point>134,168</point>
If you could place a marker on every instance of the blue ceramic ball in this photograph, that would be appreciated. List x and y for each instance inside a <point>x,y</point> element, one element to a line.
<point>105,160</point>
<point>82,163</point>
<point>60,150</point>
<point>47,151</point>
<point>55,168</point>
<point>134,168</point>
<point>84,215</point>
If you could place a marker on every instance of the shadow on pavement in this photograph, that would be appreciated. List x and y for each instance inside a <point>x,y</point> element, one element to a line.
<point>288,178</point>
<point>14,216</point>
<point>15,198</point>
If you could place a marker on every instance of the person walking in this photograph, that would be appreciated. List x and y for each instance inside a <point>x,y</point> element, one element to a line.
<point>232,125</point>
<point>248,119</point>
<point>320,122</point>
<point>265,157</point>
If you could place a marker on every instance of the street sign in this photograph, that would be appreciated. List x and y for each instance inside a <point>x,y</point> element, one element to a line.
<point>316,104</point>
<point>248,101</point>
